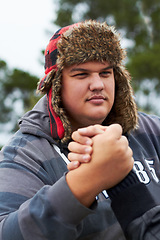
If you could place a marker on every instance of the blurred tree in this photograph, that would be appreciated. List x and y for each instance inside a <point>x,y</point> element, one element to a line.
<point>138,22</point>
<point>17,95</point>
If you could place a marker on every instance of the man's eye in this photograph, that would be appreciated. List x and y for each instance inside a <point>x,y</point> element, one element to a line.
<point>80,75</point>
<point>105,73</point>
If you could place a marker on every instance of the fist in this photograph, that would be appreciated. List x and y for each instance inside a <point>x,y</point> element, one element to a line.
<point>111,156</point>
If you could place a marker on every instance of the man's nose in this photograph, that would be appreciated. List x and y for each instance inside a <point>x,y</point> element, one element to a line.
<point>96,83</point>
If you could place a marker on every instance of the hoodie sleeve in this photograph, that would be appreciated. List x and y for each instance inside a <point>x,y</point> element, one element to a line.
<point>137,208</point>
<point>30,206</point>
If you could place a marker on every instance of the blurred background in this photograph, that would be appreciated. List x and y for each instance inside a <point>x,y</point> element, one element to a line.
<point>25,30</point>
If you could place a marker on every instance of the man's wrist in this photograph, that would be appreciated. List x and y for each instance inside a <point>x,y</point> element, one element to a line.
<point>81,183</point>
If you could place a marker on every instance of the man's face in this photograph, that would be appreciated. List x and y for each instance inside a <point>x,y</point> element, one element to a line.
<point>88,91</point>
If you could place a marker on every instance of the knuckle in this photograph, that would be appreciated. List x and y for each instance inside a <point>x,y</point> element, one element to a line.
<point>118,126</point>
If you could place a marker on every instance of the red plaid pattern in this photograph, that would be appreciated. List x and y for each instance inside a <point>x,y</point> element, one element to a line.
<point>56,126</point>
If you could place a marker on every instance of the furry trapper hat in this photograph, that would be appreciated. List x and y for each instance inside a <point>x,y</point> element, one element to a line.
<point>80,43</point>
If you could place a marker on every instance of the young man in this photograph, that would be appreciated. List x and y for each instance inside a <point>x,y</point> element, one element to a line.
<point>86,85</point>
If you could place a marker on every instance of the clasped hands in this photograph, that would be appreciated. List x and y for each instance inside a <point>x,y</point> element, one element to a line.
<point>105,150</point>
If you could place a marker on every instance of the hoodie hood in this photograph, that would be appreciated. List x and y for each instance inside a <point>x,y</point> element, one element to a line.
<point>37,122</point>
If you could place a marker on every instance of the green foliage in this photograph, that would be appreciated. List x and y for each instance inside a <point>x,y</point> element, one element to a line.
<point>17,91</point>
<point>146,64</point>
<point>23,84</point>
<point>138,21</point>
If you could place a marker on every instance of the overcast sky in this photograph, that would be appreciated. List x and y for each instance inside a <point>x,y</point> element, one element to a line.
<point>23,26</point>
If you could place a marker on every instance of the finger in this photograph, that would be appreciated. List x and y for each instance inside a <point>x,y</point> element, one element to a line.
<point>82,139</point>
<point>82,158</point>
<point>115,130</point>
<point>130,153</point>
<point>79,148</point>
<point>124,148</point>
<point>92,131</point>
<point>124,141</point>
<point>73,165</point>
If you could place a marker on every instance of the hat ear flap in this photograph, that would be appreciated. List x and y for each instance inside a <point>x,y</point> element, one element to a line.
<point>45,84</point>
<point>124,110</point>
<point>57,103</point>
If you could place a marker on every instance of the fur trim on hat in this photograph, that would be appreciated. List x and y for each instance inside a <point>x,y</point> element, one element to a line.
<point>124,110</point>
<point>90,41</point>
<point>94,41</point>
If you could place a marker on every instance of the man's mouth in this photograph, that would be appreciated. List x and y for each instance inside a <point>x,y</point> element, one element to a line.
<point>96,99</point>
